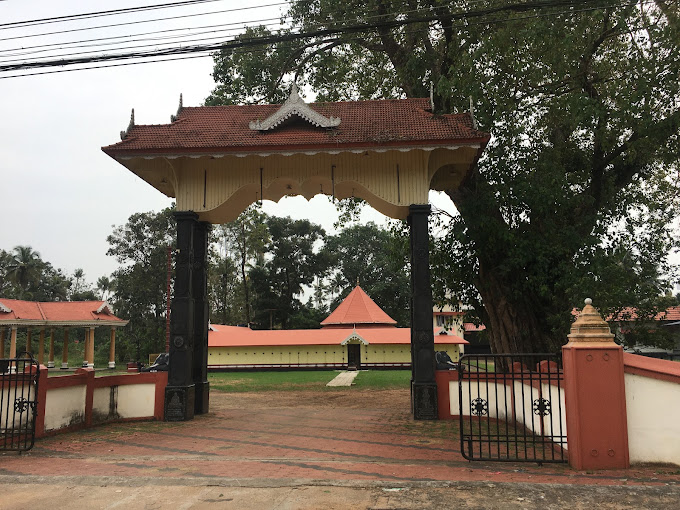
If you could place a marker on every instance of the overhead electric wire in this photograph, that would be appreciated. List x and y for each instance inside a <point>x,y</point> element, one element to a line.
<point>155,42</point>
<point>90,15</point>
<point>276,38</point>
<point>140,22</point>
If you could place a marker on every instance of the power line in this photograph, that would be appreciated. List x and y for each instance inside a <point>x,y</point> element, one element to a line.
<point>89,15</point>
<point>277,38</point>
<point>140,22</point>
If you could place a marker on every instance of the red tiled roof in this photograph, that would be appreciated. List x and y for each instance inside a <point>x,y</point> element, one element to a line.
<point>358,308</point>
<point>630,314</point>
<point>469,327</point>
<point>233,336</point>
<point>59,311</point>
<point>392,122</point>
<point>671,314</point>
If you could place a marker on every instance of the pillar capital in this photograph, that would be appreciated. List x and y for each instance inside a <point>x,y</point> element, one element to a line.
<point>590,327</point>
<point>419,209</point>
<point>185,215</point>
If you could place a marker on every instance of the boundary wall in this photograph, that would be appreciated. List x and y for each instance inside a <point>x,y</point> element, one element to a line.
<point>651,420</point>
<point>72,402</point>
<point>653,414</point>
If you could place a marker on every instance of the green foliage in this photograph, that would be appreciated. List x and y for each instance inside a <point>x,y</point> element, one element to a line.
<point>240,243</point>
<point>24,275</point>
<point>140,284</point>
<point>294,262</point>
<point>378,260</point>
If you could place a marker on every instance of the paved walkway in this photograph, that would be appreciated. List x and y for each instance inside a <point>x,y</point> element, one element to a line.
<point>333,449</point>
<point>343,379</point>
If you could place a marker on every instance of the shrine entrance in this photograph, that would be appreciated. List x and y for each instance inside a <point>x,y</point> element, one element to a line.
<point>215,161</point>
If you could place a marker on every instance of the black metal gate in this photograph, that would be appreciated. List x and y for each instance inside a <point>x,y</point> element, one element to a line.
<point>18,402</point>
<point>512,408</point>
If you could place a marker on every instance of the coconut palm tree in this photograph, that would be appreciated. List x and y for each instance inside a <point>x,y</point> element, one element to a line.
<point>24,268</point>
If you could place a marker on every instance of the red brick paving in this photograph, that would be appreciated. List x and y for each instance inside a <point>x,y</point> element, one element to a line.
<point>288,437</point>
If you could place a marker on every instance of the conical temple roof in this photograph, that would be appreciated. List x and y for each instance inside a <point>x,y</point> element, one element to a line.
<point>358,309</point>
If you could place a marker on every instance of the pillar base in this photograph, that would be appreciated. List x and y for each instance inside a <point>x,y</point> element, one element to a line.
<point>64,366</point>
<point>202,394</point>
<point>179,403</point>
<point>112,364</point>
<point>50,364</point>
<point>424,401</point>
<point>90,365</point>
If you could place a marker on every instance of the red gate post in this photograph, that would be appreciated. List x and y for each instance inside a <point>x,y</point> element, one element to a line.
<point>595,398</point>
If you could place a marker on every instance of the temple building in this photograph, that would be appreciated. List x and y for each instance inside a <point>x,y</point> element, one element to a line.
<point>357,334</point>
<point>50,317</point>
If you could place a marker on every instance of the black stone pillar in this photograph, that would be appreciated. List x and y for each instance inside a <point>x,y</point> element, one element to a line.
<point>200,295</point>
<point>423,385</point>
<point>180,392</point>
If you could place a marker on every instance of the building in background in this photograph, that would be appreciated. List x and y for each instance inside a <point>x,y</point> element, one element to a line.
<point>357,334</point>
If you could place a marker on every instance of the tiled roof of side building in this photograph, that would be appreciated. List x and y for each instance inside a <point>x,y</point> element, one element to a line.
<point>363,124</point>
<point>57,311</point>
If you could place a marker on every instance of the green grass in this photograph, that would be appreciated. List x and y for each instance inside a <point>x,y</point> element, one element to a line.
<point>270,381</point>
<point>383,379</point>
<point>304,380</point>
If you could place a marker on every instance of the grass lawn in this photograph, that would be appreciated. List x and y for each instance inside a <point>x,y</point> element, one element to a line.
<point>383,379</point>
<point>304,380</point>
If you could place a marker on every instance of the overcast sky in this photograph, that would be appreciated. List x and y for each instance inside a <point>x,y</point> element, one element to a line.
<point>59,192</point>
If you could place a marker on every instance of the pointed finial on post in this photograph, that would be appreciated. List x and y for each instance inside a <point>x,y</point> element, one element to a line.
<point>590,327</point>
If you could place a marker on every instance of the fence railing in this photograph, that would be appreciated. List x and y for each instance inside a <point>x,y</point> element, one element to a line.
<point>511,408</point>
<point>18,402</point>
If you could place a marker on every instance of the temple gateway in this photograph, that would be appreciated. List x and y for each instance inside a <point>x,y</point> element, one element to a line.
<point>215,161</point>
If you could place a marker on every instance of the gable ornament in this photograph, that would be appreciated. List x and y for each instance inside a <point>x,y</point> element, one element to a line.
<point>294,105</point>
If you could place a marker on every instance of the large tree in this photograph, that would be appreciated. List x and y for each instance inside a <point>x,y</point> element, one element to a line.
<point>377,259</point>
<point>292,263</point>
<point>580,177</point>
<point>140,283</point>
<point>244,239</point>
<point>24,275</point>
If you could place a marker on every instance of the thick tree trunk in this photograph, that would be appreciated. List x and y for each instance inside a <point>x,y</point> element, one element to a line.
<point>512,317</point>
<point>513,322</point>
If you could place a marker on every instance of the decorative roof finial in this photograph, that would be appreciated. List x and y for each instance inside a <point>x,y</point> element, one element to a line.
<point>294,105</point>
<point>432,96</point>
<point>123,134</point>
<point>357,281</point>
<point>472,113</point>
<point>173,118</point>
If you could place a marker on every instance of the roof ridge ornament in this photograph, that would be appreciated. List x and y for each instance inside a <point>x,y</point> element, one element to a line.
<point>294,105</point>
<point>123,134</point>
<point>105,306</point>
<point>472,114</point>
<point>173,118</point>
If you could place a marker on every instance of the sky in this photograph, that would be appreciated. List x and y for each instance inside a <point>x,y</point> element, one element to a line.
<point>59,193</point>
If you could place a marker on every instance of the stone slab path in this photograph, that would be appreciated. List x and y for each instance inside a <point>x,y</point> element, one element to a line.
<point>344,378</point>
<point>338,448</point>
